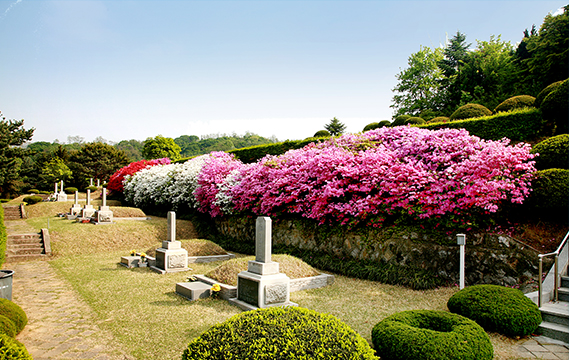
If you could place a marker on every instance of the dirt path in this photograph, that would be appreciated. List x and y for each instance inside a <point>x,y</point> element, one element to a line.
<point>60,324</point>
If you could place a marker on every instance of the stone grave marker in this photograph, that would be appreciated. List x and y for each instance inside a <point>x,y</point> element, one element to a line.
<point>75,209</point>
<point>88,210</point>
<point>262,285</point>
<point>98,183</point>
<point>171,257</point>
<point>104,215</point>
<point>91,182</point>
<point>62,196</point>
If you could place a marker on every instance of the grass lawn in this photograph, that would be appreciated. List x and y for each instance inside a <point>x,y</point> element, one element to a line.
<point>145,315</point>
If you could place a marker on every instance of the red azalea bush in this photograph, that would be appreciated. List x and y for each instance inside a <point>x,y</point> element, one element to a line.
<point>116,181</point>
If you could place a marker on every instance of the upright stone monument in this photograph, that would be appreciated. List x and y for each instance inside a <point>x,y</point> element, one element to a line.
<point>262,285</point>
<point>62,196</point>
<point>91,182</point>
<point>88,210</point>
<point>171,257</point>
<point>75,209</point>
<point>104,215</point>
<point>98,182</point>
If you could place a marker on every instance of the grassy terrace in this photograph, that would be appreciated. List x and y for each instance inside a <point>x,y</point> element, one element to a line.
<point>150,321</point>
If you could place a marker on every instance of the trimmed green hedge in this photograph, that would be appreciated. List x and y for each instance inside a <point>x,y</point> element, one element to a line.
<point>34,191</point>
<point>400,120</point>
<point>517,125</point>
<point>553,153</point>
<point>470,111</point>
<point>549,191</point>
<point>414,120</point>
<point>12,349</point>
<point>322,133</point>
<point>497,308</point>
<point>70,190</point>
<point>544,93</point>
<point>516,102</point>
<point>279,333</point>
<point>13,312</point>
<point>3,238</point>
<point>254,153</point>
<point>438,119</point>
<point>430,334</point>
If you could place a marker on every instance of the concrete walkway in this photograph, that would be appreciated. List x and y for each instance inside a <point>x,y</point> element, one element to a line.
<point>60,324</point>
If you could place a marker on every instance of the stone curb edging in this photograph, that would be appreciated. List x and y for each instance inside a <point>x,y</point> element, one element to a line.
<point>191,259</point>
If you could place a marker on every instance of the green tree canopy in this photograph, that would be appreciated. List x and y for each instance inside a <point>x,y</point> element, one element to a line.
<point>53,171</point>
<point>419,84</point>
<point>335,127</point>
<point>160,147</point>
<point>96,160</point>
<point>12,135</point>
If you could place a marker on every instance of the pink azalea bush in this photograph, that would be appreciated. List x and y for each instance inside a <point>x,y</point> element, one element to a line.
<point>388,171</point>
<point>116,182</point>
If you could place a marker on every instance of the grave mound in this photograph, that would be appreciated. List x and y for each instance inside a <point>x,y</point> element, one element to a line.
<point>195,247</point>
<point>291,266</point>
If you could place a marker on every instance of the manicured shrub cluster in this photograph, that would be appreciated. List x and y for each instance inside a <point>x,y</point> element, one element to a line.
<point>7,326</point>
<point>429,334</point>
<point>376,125</point>
<point>34,191</point>
<point>12,349</point>
<point>555,107</point>
<point>91,188</point>
<point>322,133</point>
<point>469,111</point>
<point>550,192</point>
<point>414,120</point>
<point>254,153</point>
<point>553,153</point>
<point>545,92</point>
<point>497,308</point>
<point>516,102</point>
<point>3,237</point>
<point>400,120</point>
<point>279,333</point>
<point>70,190</point>
<point>351,179</point>
<point>517,125</point>
<point>117,179</point>
<point>15,313</point>
<point>45,192</point>
<point>439,119</point>
<point>31,200</point>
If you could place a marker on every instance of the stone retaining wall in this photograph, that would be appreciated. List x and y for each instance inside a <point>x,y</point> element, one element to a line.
<point>489,258</point>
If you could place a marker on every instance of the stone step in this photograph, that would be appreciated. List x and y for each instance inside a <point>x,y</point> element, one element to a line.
<point>18,258</point>
<point>556,313</point>
<point>37,245</point>
<point>563,294</point>
<point>564,282</point>
<point>25,251</point>
<point>24,239</point>
<point>554,331</point>
<point>24,236</point>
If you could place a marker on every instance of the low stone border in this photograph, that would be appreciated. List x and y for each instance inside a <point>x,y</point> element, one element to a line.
<point>210,258</point>
<point>314,282</point>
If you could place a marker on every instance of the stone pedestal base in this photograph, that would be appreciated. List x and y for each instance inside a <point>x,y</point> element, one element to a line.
<point>74,212</point>
<point>87,211</point>
<point>171,257</point>
<point>263,291</point>
<point>193,290</point>
<point>104,215</point>
<point>62,196</point>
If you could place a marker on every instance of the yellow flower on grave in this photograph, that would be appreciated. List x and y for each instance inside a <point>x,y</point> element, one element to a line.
<point>216,287</point>
<point>133,252</point>
<point>143,254</point>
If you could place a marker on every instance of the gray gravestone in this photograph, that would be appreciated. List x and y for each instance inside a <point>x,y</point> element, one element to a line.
<point>104,215</point>
<point>62,196</point>
<point>262,285</point>
<point>171,257</point>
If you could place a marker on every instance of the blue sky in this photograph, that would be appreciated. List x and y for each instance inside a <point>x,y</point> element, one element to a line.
<point>135,69</point>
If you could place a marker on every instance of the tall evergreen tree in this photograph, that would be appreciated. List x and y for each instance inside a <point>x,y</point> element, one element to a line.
<point>335,127</point>
<point>454,56</point>
<point>12,135</point>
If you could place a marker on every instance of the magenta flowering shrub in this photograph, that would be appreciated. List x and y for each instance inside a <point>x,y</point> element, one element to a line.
<point>388,171</point>
<point>214,181</point>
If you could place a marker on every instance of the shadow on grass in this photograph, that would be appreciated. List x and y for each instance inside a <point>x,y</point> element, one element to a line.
<point>176,300</point>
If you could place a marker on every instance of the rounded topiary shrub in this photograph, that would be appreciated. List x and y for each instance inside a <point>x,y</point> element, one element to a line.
<point>15,313</point>
<point>280,333</point>
<point>516,102</point>
<point>371,126</point>
<point>33,191</point>
<point>547,90</point>
<point>553,153</point>
<point>7,326</point>
<point>549,191</point>
<point>555,107</point>
<point>414,120</point>
<point>469,111</point>
<point>70,190</point>
<point>91,188</point>
<point>44,192</point>
<point>400,120</point>
<point>31,200</point>
<point>439,119</point>
<point>429,334</point>
<point>322,133</point>
<point>497,308</point>
<point>12,349</point>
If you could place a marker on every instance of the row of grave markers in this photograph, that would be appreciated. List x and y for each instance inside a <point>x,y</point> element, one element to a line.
<point>102,216</point>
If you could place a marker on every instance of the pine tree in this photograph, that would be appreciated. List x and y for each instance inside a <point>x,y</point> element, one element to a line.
<point>335,127</point>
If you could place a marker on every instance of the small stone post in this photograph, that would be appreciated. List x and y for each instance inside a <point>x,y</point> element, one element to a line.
<point>91,182</point>
<point>104,215</point>
<point>98,183</point>
<point>88,210</point>
<point>171,257</point>
<point>461,243</point>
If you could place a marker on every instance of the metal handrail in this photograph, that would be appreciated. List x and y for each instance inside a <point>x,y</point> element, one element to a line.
<point>556,274</point>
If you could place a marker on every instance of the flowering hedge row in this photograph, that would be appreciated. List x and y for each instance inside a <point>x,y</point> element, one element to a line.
<point>350,179</point>
<point>117,179</point>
